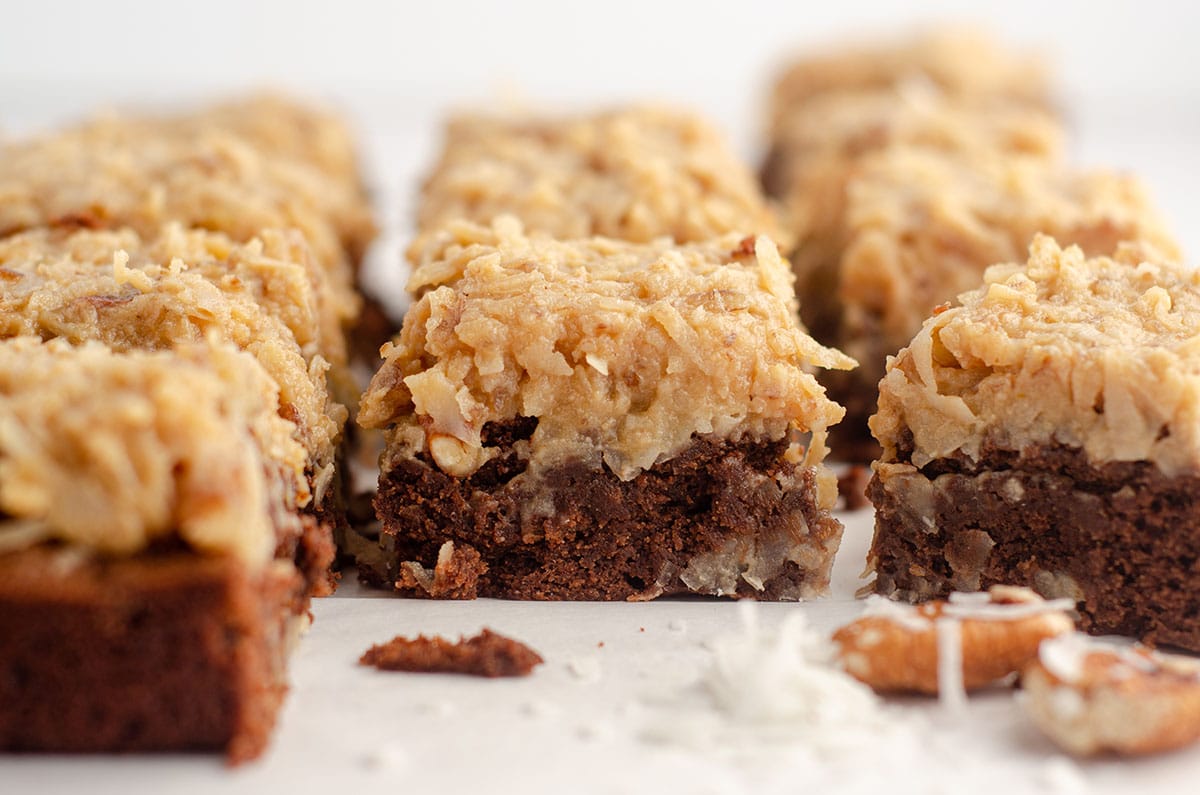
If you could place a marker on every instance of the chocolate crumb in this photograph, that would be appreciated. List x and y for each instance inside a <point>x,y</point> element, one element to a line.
<point>487,654</point>
<point>852,487</point>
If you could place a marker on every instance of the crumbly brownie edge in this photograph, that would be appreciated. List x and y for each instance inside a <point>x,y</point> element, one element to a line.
<point>681,527</point>
<point>161,652</point>
<point>1121,538</point>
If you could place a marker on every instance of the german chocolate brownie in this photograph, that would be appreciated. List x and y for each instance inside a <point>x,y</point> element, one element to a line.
<point>906,169</point>
<point>143,173</point>
<point>161,245</point>
<point>636,173</point>
<point>596,419</point>
<point>149,522</point>
<point>951,94</point>
<point>814,144</point>
<point>823,159</point>
<point>920,228</point>
<point>1042,432</point>
<point>957,62</point>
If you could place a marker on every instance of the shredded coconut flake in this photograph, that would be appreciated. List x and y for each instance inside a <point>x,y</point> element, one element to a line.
<point>951,691</point>
<point>22,533</point>
<point>541,709</point>
<point>772,706</point>
<point>123,274</point>
<point>776,687</point>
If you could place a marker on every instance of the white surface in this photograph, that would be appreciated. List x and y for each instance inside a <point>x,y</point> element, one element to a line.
<point>578,724</point>
<point>584,721</point>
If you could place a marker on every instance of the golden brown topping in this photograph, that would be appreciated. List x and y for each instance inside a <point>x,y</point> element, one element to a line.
<point>1099,353</point>
<point>113,451</point>
<point>622,351</point>
<point>144,173</point>
<point>635,174</point>
<point>959,62</point>
<point>183,287</point>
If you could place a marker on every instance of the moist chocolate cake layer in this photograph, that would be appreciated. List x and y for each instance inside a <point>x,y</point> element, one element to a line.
<point>1122,538</point>
<point>162,652</point>
<point>600,537</point>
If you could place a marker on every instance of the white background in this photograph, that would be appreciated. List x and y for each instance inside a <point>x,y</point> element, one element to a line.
<point>1130,70</point>
<point>1131,84</point>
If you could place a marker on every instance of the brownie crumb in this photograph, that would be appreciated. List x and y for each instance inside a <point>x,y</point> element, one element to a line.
<point>487,654</point>
<point>852,487</point>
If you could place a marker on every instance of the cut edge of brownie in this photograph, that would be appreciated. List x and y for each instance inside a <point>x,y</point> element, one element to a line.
<point>1121,538</point>
<point>723,518</point>
<point>163,651</point>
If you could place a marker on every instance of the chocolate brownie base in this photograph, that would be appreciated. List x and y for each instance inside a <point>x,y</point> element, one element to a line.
<point>1122,538</point>
<point>603,538</point>
<point>165,652</point>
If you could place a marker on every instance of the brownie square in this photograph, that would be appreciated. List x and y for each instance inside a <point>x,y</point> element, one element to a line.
<point>155,559</point>
<point>1042,432</point>
<point>905,169</point>
<point>597,419</point>
<point>633,173</point>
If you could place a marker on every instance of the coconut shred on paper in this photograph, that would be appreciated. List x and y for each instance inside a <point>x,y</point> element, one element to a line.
<point>772,705</point>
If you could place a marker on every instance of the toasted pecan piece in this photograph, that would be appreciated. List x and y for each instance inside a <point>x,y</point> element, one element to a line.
<point>894,648</point>
<point>1092,698</point>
